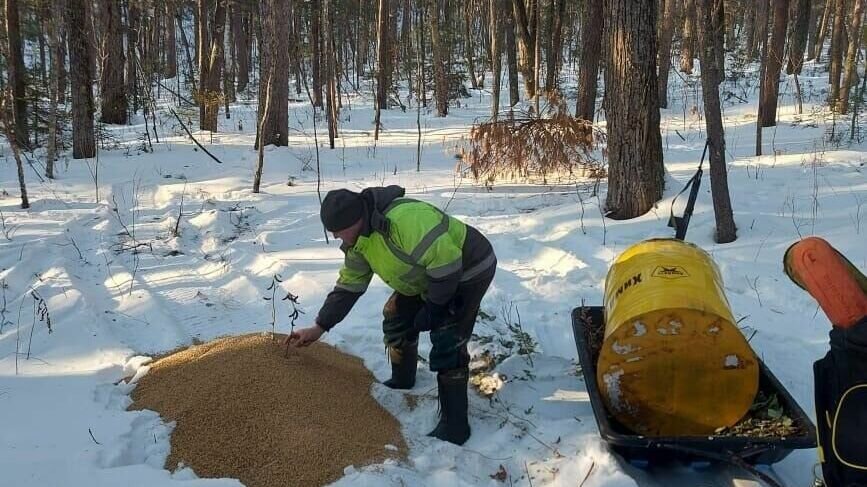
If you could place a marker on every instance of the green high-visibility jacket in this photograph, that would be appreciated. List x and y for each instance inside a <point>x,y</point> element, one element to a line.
<point>414,247</point>
<point>421,243</point>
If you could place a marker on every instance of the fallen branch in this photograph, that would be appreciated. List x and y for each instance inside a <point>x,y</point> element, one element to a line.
<point>92,438</point>
<point>187,130</point>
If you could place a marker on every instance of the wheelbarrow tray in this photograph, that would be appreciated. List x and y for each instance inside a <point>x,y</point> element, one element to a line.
<point>642,449</point>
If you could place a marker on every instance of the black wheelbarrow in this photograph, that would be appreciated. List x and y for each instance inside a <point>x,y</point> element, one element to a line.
<point>743,451</point>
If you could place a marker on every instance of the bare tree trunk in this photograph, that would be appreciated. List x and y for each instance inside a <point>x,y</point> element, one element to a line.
<point>202,48</point>
<point>798,37</point>
<point>241,51</point>
<point>9,129</point>
<point>62,76</point>
<point>54,12</point>
<point>132,73</point>
<point>211,66</point>
<point>836,67</point>
<point>537,53</point>
<point>556,16</point>
<point>83,140</point>
<point>707,23</point>
<point>440,50</point>
<point>749,28</point>
<point>851,56</point>
<point>274,68</point>
<point>666,32</point>
<point>525,26</point>
<point>496,57</point>
<point>816,9</point>
<point>719,37</point>
<point>830,6</point>
<point>774,64</point>
<point>43,65</point>
<point>330,72</point>
<point>761,29</point>
<point>171,42</point>
<point>90,34</point>
<point>591,46</point>
<point>112,93</point>
<point>16,73</point>
<point>512,55</point>
<point>316,49</point>
<point>470,47</point>
<point>635,177</point>
<point>763,66</point>
<point>687,42</point>
<point>382,49</point>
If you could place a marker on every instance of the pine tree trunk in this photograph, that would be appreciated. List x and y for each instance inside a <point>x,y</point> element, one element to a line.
<point>43,65</point>
<point>441,80</point>
<point>316,49</point>
<point>558,11</point>
<point>470,47</point>
<point>382,49</point>
<point>16,73</point>
<point>761,29</point>
<point>774,64</point>
<point>330,104</point>
<point>749,26</point>
<point>666,32</point>
<point>241,50</point>
<point>274,71</point>
<point>496,56</point>
<point>83,140</point>
<point>512,54</point>
<point>830,6</point>
<point>170,41</point>
<point>687,42</point>
<point>9,132</point>
<point>525,27</point>
<point>212,74</point>
<point>719,37</point>
<point>707,23</point>
<point>592,22</point>
<point>54,12</point>
<point>202,49</point>
<point>295,48</point>
<point>90,34</point>
<point>635,177</point>
<point>133,24</point>
<point>836,67</point>
<point>62,75</point>
<point>816,10</point>
<point>798,36</point>
<point>851,56</point>
<point>112,92</point>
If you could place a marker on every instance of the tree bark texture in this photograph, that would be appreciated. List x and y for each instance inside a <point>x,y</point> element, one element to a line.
<point>666,31</point>
<point>440,60</point>
<point>274,72</point>
<point>711,76</point>
<point>774,63</point>
<point>16,73</point>
<point>836,68</point>
<point>526,24</point>
<point>687,41</point>
<point>112,92</point>
<point>211,68</point>
<point>512,54</point>
<point>798,36</point>
<point>851,56</point>
<point>635,177</point>
<point>592,23</point>
<point>83,139</point>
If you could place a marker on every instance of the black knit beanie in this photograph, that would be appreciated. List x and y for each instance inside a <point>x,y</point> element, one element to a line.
<point>341,209</point>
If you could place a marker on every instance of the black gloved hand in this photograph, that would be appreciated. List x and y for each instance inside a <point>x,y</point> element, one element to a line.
<point>430,316</point>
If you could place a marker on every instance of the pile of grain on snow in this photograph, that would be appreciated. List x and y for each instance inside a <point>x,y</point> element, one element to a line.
<point>244,410</point>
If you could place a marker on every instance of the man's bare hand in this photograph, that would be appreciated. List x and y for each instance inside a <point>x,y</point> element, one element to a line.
<point>303,337</point>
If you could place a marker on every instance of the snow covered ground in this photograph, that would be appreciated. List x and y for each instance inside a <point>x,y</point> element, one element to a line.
<point>64,412</point>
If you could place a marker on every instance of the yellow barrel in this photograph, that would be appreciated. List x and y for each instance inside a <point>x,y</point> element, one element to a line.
<point>673,362</point>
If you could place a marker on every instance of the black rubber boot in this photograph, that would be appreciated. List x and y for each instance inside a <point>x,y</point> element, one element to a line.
<point>404,363</point>
<point>453,425</point>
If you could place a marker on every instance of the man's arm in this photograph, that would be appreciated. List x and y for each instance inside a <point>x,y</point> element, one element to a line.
<point>355,276</point>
